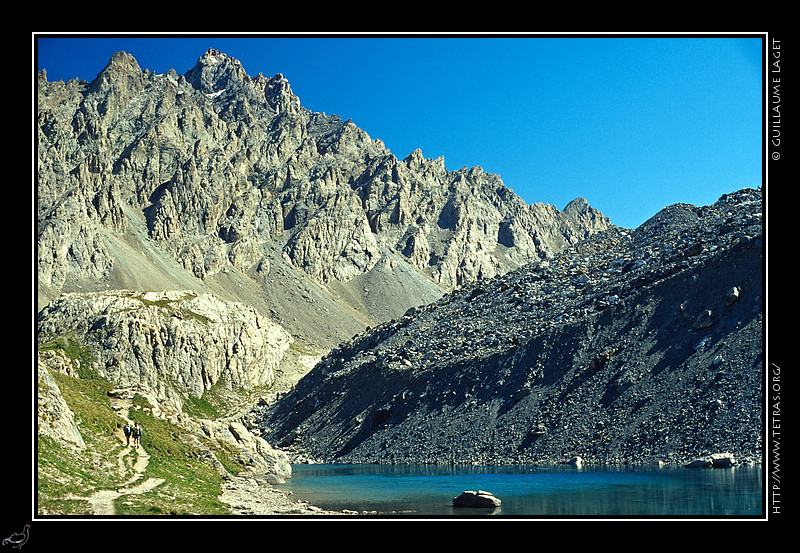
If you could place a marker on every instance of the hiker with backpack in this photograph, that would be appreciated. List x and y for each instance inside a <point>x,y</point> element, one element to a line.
<point>127,430</point>
<point>137,434</point>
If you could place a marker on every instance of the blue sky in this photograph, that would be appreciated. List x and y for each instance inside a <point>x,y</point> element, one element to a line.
<point>630,123</point>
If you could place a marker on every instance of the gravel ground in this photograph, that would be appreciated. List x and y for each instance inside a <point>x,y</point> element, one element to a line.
<point>250,496</point>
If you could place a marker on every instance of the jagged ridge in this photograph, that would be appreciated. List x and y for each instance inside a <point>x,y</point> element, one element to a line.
<point>180,181</point>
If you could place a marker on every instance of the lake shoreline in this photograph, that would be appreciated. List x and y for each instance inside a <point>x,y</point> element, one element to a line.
<point>252,496</point>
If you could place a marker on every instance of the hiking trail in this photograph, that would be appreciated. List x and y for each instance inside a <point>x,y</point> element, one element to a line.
<point>102,501</point>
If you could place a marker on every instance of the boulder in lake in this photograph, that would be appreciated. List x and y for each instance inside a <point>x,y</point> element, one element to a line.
<point>473,499</point>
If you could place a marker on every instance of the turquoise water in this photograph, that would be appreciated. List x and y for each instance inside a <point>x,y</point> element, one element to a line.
<point>525,491</point>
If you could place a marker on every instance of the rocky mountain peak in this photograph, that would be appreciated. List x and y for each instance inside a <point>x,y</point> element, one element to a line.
<point>215,71</point>
<point>121,62</point>
<point>236,96</point>
<point>121,74</point>
<point>279,95</point>
<point>578,205</point>
<point>213,56</point>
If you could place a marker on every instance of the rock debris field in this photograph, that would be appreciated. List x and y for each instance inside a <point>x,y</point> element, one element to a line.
<point>633,346</point>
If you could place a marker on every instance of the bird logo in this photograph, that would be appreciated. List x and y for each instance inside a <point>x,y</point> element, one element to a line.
<point>18,539</point>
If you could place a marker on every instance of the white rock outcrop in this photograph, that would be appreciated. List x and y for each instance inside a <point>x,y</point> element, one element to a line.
<point>170,343</point>
<point>54,417</point>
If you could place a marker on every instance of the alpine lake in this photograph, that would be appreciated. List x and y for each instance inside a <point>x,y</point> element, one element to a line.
<point>427,491</point>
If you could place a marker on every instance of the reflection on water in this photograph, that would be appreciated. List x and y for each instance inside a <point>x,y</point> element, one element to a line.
<point>425,490</point>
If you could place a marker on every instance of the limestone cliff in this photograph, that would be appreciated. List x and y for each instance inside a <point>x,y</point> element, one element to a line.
<point>169,344</point>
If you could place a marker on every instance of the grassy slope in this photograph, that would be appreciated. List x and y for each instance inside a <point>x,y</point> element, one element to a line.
<point>66,474</point>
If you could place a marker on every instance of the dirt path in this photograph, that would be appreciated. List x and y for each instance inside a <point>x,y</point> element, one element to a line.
<point>102,501</point>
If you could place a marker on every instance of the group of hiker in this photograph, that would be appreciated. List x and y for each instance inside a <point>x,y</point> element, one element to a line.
<point>134,432</point>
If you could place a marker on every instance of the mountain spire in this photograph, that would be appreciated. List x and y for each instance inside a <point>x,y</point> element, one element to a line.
<point>215,71</point>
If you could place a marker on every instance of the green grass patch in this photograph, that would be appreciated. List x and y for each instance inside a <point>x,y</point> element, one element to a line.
<point>74,350</point>
<point>88,399</point>
<point>191,486</point>
<point>200,407</point>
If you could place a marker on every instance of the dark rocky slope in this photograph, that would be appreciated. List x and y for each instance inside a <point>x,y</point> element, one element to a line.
<point>630,347</point>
